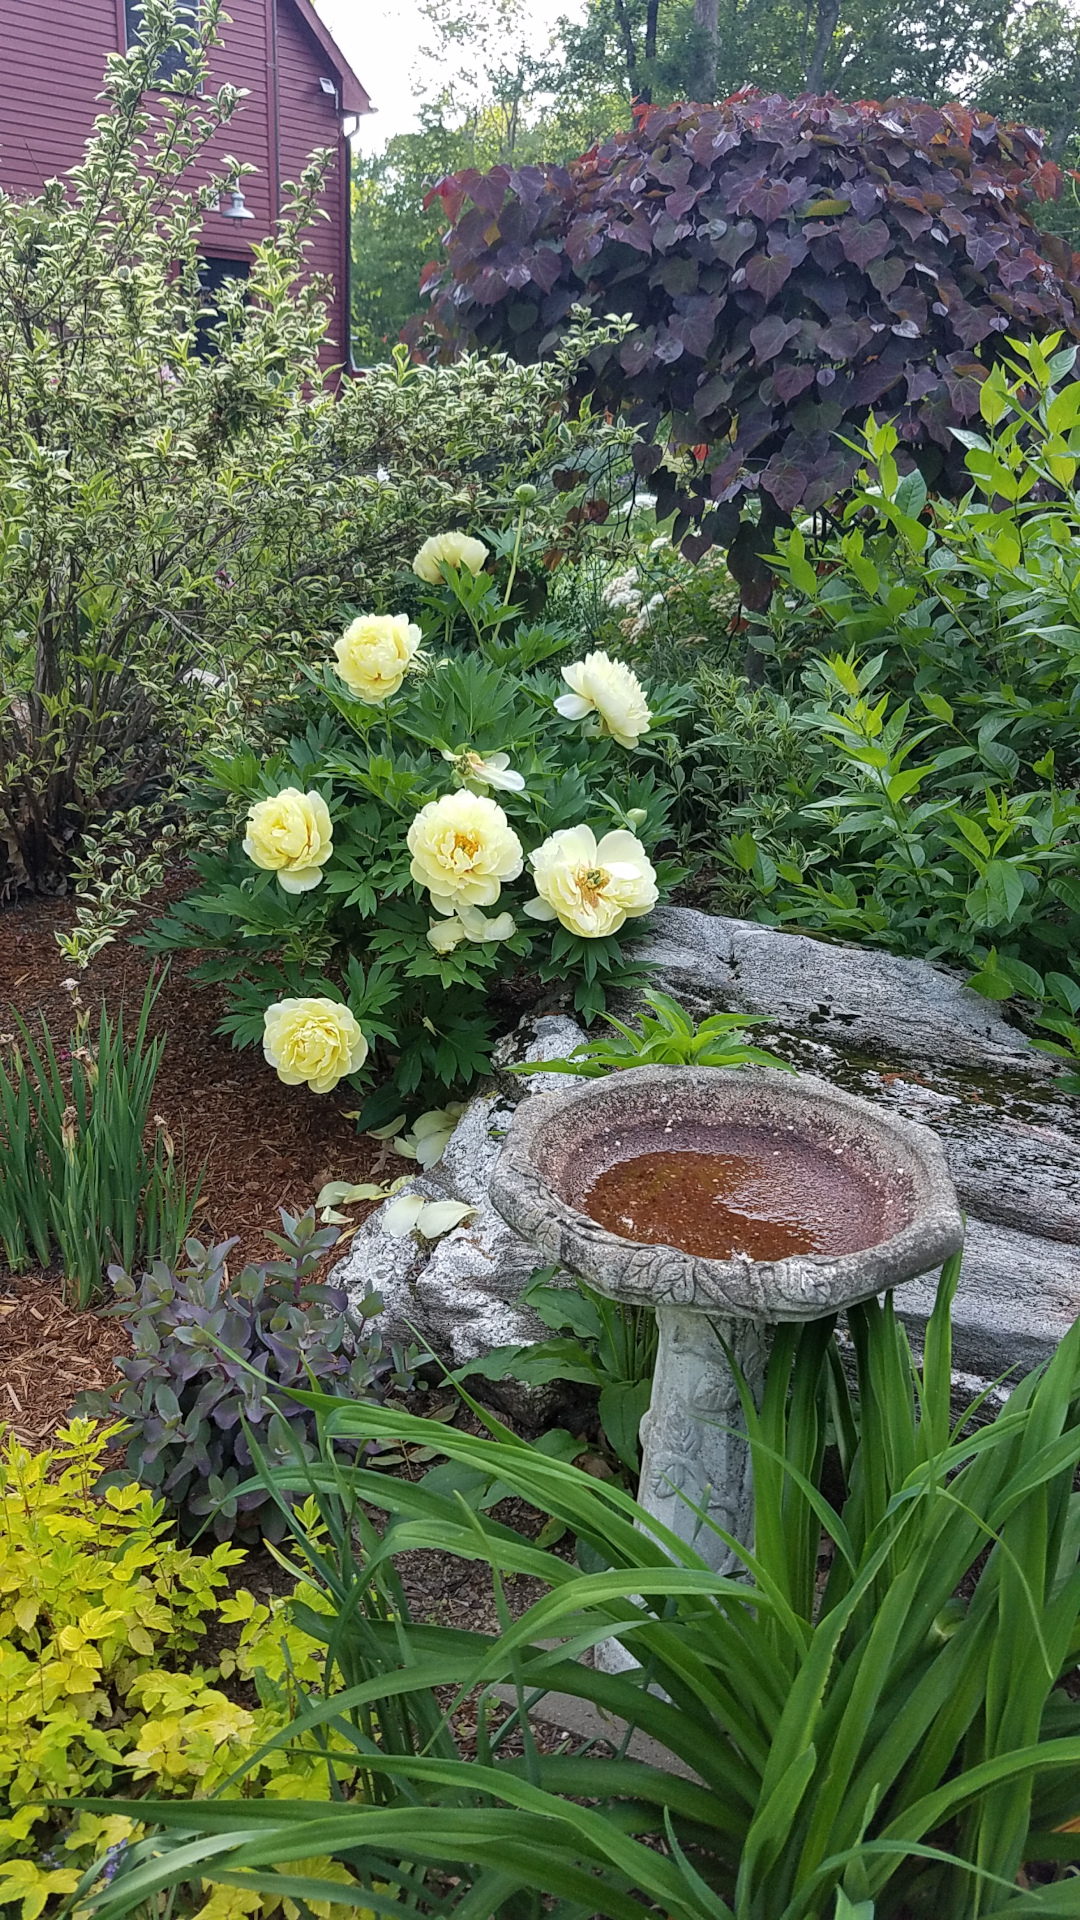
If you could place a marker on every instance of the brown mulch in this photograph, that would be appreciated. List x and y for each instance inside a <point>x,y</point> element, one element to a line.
<point>48,1355</point>
<point>266,1146</point>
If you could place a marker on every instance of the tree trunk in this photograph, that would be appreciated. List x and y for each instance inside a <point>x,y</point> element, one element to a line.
<point>626,34</point>
<point>707,22</point>
<point>652,14</point>
<point>828,14</point>
<point>1060,135</point>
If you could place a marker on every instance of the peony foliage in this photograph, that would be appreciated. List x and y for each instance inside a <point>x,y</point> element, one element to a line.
<point>448,836</point>
<point>786,266</point>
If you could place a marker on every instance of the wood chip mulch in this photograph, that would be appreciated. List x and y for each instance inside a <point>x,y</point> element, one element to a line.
<point>48,1355</point>
<point>266,1146</point>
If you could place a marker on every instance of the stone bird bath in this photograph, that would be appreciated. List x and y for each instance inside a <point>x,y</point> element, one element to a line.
<point>874,1192</point>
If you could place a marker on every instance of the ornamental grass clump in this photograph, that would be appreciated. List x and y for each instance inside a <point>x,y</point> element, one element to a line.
<point>465,807</point>
<point>876,1718</point>
<point>87,1170</point>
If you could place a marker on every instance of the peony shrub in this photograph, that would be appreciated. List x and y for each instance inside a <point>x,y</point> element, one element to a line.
<point>466,804</point>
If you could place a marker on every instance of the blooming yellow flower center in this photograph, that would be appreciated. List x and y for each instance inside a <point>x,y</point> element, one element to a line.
<point>591,882</point>
<point>467,844</point>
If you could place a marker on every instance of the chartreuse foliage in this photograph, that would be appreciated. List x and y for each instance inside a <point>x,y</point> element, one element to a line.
<point>101,1614</point>
<point>881,1742</point>
<point>938,647</point>
<point>786,265</point>
<point>485,685</point>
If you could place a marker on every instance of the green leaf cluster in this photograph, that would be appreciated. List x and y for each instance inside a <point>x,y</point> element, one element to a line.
<point>101,1616</point>
<point>361,935</point>
<point>928,655</point>
<point>883,1720</point>
<point>668,1037</point>
<point>601,1344</point>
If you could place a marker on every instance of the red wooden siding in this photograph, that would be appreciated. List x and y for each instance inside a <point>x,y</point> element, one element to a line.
<point>308,118</point>
<point>52,56</point>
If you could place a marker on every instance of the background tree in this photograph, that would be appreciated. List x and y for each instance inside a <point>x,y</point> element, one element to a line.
<point>787,267</point>
<point>503,102</point>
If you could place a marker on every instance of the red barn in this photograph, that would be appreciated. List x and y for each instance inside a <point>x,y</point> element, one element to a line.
<point>302,94</point>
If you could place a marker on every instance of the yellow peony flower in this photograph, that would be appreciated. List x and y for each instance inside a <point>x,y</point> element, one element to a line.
<point>606,687</point>
<point>317,1041</point>
<point>463,848</point>
<point>448,550</point>
<point>290,835</point>
<point>592,889</point>
<point>375,653</point>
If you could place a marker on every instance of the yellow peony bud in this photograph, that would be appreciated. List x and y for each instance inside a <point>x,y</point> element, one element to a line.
<point>448,550</point>
<point>592,889</point>
<point>317,1041</point>
<point>463,848</point>
<point>606,687</point>
<point>290,835</point>
<point>375,653</point>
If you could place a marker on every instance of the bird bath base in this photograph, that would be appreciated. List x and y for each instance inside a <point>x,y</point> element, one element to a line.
<point>908,1221</point>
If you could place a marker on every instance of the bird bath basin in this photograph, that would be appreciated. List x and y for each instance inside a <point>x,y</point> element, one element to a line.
<point>728,1201</point>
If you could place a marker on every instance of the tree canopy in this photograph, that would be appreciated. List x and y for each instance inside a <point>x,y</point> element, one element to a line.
<point>500,100</point>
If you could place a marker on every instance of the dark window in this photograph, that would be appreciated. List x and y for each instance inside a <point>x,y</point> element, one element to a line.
<point>175,59</point>
<point>214,273</point>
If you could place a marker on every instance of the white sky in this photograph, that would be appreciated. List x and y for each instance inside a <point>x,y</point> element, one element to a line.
<point>380,39</point>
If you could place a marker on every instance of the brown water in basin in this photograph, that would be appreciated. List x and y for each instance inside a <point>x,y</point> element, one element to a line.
<point>766,1195</point>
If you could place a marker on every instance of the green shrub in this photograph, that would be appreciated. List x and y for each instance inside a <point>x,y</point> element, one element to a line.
<point>387,935</point>
<point>143,455</point>
<point>184,505</point>
<point>896,1736</point>
<point>82,1167</point>
<point>100,1615</point>
<point>930,659</point>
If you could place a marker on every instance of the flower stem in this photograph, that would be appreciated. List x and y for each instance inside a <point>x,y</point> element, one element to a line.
<point>514,560</point>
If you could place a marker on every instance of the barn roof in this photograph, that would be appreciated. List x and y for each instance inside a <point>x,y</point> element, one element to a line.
<point>354,97</point>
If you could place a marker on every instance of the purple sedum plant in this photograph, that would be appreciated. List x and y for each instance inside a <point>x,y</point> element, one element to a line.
<point>211,1353</point>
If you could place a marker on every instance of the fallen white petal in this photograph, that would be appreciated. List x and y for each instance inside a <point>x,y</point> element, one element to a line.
<point>403,1214</point>
<point>432,1147</point>
<point>441,1216</point>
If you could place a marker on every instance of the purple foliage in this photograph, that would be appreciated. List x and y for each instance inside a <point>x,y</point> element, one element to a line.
<point>211,1353</point>
<point>789,266</point>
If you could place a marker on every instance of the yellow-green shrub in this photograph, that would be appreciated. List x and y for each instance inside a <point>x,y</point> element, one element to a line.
<point>100,1612</point>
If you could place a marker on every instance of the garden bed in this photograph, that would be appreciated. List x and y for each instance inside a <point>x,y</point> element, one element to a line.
<point>266,1146</point>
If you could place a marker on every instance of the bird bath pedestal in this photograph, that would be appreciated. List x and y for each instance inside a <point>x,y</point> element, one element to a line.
<point>880,1186</point>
